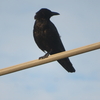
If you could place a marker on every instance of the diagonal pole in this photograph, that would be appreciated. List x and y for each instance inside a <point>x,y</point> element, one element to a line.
<point>51,58</point>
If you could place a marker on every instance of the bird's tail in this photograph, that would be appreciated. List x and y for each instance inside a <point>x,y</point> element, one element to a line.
<point>67,64</point>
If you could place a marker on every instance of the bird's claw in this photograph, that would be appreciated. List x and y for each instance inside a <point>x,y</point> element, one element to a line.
<point>45,56</point>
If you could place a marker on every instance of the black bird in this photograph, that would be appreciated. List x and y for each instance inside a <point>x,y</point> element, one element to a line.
<point>47,37</point>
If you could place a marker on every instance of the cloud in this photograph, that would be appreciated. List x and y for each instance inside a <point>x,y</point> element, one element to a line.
<point>78,25</point>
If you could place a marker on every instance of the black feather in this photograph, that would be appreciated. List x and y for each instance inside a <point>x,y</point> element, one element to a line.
<point>47,37</point>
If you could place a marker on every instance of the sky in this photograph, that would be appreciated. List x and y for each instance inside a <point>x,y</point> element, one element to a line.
<point>78,25</point>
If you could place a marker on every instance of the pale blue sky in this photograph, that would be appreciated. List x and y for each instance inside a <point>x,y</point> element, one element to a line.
<point>78,25</point>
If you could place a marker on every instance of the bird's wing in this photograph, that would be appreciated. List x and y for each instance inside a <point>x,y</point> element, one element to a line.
<point>54,41</point>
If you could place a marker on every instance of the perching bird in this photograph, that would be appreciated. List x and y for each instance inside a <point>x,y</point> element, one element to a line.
<point>47,37</point>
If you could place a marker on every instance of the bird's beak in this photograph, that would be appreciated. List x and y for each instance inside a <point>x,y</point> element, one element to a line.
<point>55,13</point>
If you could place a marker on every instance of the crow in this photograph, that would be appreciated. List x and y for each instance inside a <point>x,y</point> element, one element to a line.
<point>47,37</point>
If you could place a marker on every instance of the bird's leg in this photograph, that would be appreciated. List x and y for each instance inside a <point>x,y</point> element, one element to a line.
<point>46,55</point>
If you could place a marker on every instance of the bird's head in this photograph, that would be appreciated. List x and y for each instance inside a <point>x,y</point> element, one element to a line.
<point>45,14</point>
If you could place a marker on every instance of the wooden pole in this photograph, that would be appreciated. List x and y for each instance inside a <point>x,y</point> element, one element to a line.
<point>51,58</point>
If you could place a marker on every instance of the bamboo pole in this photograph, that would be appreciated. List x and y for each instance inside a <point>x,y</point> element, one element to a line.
<point>51,58</point>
